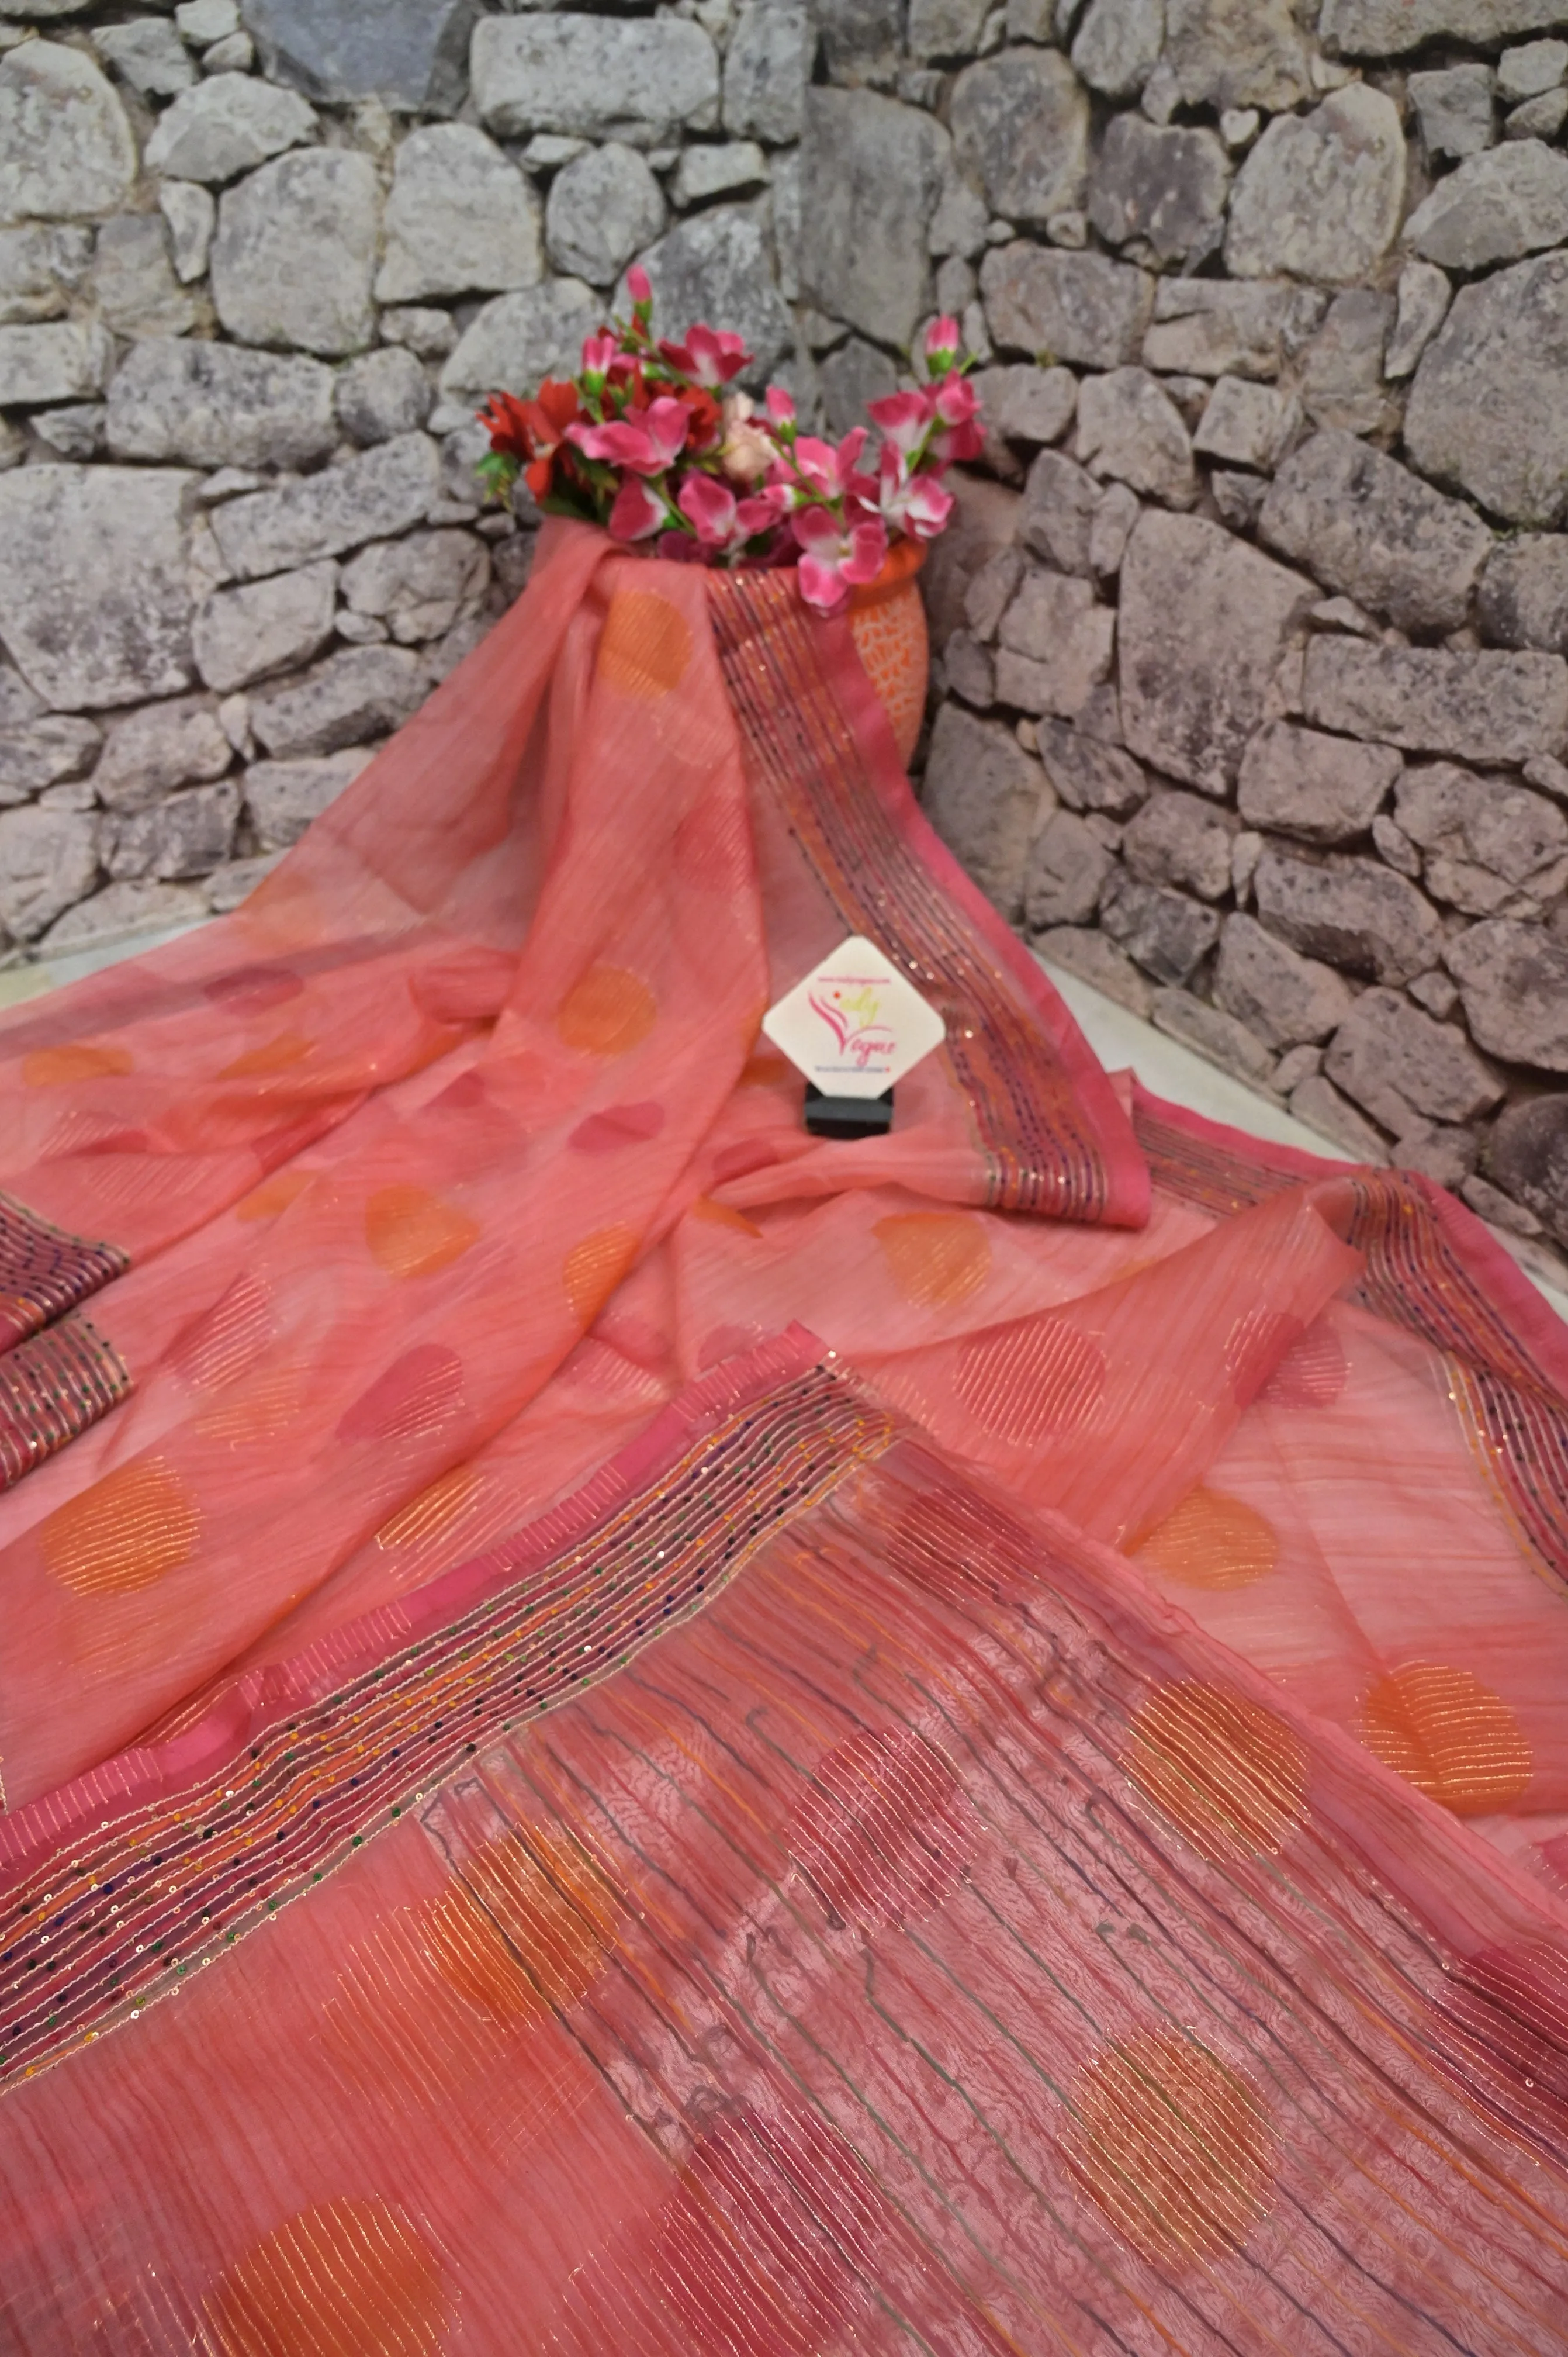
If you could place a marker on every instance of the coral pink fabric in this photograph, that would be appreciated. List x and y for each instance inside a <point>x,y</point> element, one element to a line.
<point>1017,1772</point>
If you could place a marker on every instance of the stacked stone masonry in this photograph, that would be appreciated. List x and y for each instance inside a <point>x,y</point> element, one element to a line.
<point>1249,702</point>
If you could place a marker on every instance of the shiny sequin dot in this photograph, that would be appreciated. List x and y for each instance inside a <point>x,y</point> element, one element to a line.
<point>608,1013</point>
<point>1212,1541</point>
<point>1174,2148</point>
<point>126,1533</point>
<point>936,1259</point>
<point>342,2279</point>
<point>646,646</point>
<point>594,1267</point>
<point>1449,1735</point>
<point>412,1232</point>
<point>1231,1775</point>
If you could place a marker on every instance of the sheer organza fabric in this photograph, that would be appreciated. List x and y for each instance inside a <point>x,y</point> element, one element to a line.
<point>642,1732</point>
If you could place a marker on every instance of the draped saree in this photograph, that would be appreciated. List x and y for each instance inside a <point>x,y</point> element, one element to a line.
<point>624,1729</point>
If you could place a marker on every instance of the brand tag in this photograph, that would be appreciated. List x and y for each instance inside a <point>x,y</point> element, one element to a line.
<point>854,1025</point>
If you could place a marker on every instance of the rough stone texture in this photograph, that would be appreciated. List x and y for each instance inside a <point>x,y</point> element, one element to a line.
<point>387,490</point>
<point>419,587</point>
<point>1204,624</point>
<point>641,80</point>
<point>408,53</point>
<point>133,282</point>
<point>384,394</point>
<point>1129,428</point>
<point>1320,789</point>
<point>1088,775</point>
<point>518,341</point>
<point>1356,916</point>
<point>1118,45</point>
<point>1488,408</point>
<point>1054,644</point>
<point>1341,367</point>
<point>1524,593</point>
<point>1178,839</point>
<point>66,147</point>
<point>1067,870</point>
<point>1096,960</point>
<point>1485,706</point>
<point>148,54</point>
<point>185,835</point>
<point>1510,201</point>
<point>283,796</point>
<point>602,208</point>
<point>1235,53</point>
<point>1388,28</point>
<point>1513,980</point>
<point>39,752</point>
<point>1320,195</point>
<point>324,197</point>
<point>1165,932</point>
<point>207,405</point>
<point>767,68</point>
<point>1020,127</point>
<point>1480,836</point>
<point>875,169</point>
<point>1028,404</point>
<point>1365,524</point>
<point>982,794</point>
<point>1249,425</point>
<point>49,858</point>
<point>96,596</point>
<point>1166,186</point>
<point>460,216</point>
<point>362,693</point>
<point>264,627</point>
<point>55,362</point>
<point>226,126</point>
<point>1214,1034</point>
<point>1066,306</point>
<point>1283,998</point>
<point>1214,326</point>
<point>40,264</point>
<point>714,266</point>
<point>1526,1155</point>
<point>1387,1045</point>
<point>858,372</point>
<point>1455,109</point>
<point>1423,299</point>
<point>151,752</point>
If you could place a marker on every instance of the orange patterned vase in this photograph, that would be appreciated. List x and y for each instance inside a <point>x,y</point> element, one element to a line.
<point>888,621</point>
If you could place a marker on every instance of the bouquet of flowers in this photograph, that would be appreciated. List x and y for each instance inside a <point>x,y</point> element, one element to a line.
<point>654,441</point>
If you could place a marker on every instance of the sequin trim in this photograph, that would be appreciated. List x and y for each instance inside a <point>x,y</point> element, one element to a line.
<point>100,1926</point>
<point>1039,1156</point>
<point>44,1272</point>
<point>52,1388</point>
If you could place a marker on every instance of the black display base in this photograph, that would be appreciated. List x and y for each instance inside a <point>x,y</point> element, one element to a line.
<point>848,1116</point>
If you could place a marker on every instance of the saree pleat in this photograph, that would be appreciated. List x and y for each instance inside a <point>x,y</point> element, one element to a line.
<point>625,1729</point>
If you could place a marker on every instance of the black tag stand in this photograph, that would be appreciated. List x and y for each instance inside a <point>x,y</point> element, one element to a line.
<point>847,1118</point>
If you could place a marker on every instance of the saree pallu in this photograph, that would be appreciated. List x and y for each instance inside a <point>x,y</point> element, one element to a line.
<point>626,1730</point>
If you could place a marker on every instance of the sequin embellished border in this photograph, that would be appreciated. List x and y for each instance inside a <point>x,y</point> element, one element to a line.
<point>52,1387</point>
<point>1041,1155</point>
<point>1514,1419</point>
<point>102,1924</point>
<point>44,1272</point>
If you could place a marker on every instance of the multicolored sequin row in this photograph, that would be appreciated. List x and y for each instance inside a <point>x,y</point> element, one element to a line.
<point>1040,1154</point>
<point>44,1272</point>
<point>52,1387</point>
<point>106,1922</point>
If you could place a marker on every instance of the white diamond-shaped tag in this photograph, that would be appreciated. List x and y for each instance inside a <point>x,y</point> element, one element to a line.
<point>854,1025</point>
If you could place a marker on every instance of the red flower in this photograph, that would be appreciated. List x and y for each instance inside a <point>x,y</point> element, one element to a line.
<point>533,430</point>
<point>707,417</point>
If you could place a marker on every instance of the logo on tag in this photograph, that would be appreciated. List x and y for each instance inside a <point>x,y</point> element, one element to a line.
<point>854,1025</point>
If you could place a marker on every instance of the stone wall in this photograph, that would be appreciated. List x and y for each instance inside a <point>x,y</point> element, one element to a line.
<point>1250,699</point>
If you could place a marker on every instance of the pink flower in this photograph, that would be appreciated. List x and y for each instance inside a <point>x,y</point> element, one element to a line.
<point>835,557</point>
<point>944,338</point>
<point>637,284</point>
<point>636,513</point>
<point>722,522</point>
<point>598,356</point>
<point>706,357</point>
<point>958,411</point>
<point>905,418</point>
<point>647,447</point>
<point>912,503</point>
<point>710,508</point>
<point>834,472</point>
<point>780,406</point>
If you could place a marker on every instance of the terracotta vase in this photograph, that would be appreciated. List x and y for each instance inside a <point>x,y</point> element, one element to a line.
<point>888,621</point>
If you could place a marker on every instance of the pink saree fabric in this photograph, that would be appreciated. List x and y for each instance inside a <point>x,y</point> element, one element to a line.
<point>624,1729</point>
